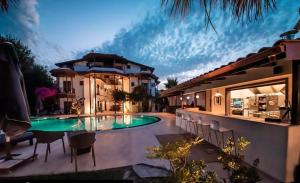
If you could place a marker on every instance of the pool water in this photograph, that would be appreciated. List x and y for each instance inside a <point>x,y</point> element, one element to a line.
<point>91,123</point>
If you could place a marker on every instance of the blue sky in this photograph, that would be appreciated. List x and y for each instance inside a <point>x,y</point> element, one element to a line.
<point>59,30</point>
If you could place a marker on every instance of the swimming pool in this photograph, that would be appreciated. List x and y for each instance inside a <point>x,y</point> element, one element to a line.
<point>94,123</point>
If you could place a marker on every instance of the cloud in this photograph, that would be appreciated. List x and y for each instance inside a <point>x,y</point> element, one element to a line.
<point>22,21</point>
<point>185,49</point>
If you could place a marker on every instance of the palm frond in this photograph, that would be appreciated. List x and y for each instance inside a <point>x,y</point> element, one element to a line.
<point>241,10</point>
<point>6,4</point>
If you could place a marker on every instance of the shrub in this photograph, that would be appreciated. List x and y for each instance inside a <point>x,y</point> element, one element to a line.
<point>182,169</point>
<point>238,171</point>
<point>119,95</point>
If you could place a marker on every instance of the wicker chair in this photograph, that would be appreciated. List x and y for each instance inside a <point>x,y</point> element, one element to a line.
<point>43,137</point>
<point>82,141</point>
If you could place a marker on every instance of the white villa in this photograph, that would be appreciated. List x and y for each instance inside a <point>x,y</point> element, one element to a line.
<point>95,76</point>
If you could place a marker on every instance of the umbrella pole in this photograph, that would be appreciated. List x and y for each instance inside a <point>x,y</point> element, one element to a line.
<point>8,155</point>
<point>7,148</point>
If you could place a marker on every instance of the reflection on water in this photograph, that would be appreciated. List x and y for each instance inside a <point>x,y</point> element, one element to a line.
<point>91,123</point>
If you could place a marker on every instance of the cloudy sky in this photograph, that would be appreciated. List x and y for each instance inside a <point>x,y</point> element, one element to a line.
<point>140,30</point>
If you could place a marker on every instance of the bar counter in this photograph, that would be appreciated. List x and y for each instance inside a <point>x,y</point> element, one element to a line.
<point>194,111</point>
<point>269,140</point>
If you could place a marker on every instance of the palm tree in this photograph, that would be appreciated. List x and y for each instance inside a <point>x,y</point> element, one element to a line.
<point>119,96</point>
<point>171,82</point>
<point>241,10</point>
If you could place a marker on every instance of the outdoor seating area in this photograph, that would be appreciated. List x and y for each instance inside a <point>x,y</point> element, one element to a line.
<point>121,153</point>
<point>206,129</point>
<point>48,138</point>
<point>81,141</point>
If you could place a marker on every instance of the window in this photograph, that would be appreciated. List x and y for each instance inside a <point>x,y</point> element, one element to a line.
<point>145,86</point>
<point>201,100</point>
<point>67,86</point>
<point>132,84</point>
<point>128,66</point>
<point>263,101</point>
<point>188,100</point>
<point>80,82</point>
<point>98,90</point>
<point>67,107</point>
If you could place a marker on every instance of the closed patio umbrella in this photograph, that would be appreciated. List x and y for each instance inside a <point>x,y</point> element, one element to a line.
<point>14,109</point>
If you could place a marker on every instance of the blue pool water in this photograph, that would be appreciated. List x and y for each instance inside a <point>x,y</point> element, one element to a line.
<point>91,123</point>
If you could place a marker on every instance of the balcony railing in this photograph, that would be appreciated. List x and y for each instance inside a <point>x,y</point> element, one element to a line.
<point>64,93</point>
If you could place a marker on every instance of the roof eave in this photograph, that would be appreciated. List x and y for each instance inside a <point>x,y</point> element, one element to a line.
<point>240,64</point>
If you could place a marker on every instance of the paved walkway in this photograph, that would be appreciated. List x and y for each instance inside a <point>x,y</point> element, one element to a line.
<point>115,148</point>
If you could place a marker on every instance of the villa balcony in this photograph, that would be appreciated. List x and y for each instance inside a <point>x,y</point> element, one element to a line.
<point>66,93</point>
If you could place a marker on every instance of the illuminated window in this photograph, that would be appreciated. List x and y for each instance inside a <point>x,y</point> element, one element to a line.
<point>200,100</point>
<point>262,101</point>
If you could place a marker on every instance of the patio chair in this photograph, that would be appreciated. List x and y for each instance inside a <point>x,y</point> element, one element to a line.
<point>43,137</point>
<point>81,141</point>
<point>217,128</point>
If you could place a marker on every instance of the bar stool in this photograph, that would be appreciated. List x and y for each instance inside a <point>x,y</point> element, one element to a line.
<point>186,119</point>
<point>194,124</point>
<point>203,125</point>
<point>180,116</point>
<point>190,122</point>
<point>215,127</point>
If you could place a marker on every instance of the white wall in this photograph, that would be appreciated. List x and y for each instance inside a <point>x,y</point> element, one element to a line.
<point>293,152</point>
<point>215,108</point>
<point>269,142</point>
<point>78,88</point>
<point>133,69</point>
